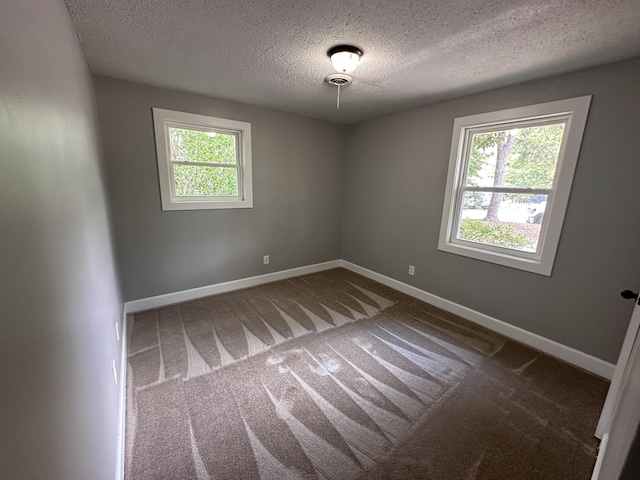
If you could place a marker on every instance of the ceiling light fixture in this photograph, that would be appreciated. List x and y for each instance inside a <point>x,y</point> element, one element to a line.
<point>344,58</point>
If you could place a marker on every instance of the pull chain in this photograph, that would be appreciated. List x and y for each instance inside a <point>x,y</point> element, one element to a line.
<point>338,80</point>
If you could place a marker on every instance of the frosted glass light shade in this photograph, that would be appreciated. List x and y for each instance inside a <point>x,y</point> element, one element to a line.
<point>345,62</point>
<point>344,58</point>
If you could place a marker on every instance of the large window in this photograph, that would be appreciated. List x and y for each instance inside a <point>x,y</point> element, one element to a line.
<point>203,162</point>
<point>510,176</point>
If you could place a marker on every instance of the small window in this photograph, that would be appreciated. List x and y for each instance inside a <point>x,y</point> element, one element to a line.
<point>203,162</point>
<point>510,174</point>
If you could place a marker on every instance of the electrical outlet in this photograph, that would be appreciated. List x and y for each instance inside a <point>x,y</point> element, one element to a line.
<point>412,270</point>
<point>115,373</point>
<point>265,259</point>
<point>118,331</point>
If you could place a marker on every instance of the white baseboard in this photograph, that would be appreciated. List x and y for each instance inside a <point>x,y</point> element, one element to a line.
<point>194,293</point>
<point>551,347</point>
<point>122,396</point>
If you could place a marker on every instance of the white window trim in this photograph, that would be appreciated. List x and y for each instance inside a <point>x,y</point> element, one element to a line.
<point>575,111</point>
<point>162,120</point>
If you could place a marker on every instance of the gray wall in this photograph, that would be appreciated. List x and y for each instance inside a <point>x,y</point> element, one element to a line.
<point>631,470</point>
<point>58,289</point>
<point>297,188</point>
<point>395,174</point>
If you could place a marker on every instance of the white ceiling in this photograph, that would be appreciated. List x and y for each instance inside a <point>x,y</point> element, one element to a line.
<point>416,52</point>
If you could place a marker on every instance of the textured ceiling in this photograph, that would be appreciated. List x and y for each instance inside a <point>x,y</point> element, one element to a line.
<point>416,52</point>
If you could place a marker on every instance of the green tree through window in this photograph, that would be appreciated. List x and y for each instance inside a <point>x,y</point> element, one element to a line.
<point>517,159</point>
<point>204,163</point>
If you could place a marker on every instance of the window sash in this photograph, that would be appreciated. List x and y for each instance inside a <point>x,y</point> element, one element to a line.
<point>525,191</point>
<point>464,161</point>
<point>178,198</point>
<point>201,128</point>
<point>524,122</point>
<point>236,165</point>
<point>467,133</point>
<point>459,206</point>
<point>204,164</point>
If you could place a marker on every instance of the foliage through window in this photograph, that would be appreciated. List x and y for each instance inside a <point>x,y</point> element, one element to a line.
<point>510,175</point>
<point>203,162</point>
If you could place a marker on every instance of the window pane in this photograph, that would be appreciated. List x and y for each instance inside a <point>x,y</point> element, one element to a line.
<point>197,146</point>
<point>194,181</point>
<point>521,157</point>
<point>505,220</point>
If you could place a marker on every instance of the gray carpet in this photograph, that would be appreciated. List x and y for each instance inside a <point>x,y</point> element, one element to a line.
<point>332,376</point>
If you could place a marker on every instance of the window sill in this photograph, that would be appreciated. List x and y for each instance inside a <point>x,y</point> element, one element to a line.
<point>533,265</point>
<point>206,204</point>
